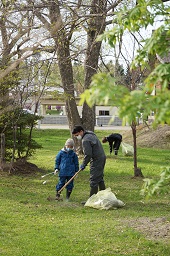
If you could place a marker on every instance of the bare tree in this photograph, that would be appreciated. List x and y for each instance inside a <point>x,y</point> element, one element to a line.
<point>62,20</point>
<point>16,46</point>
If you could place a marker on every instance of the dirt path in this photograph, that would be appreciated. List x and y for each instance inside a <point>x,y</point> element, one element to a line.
<point>154,229</point>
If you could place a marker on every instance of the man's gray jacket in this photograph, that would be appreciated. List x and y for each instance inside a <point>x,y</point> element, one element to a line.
<point>93,153</point>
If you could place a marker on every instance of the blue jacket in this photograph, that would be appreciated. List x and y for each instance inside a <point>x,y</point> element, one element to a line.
<point>66,162</point>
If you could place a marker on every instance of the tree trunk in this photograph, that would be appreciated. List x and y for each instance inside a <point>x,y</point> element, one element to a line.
<point>66,72</point>
<point>96,26</point>
<point>2,151</point>
<point>61,32</point>
<point>137,171</point>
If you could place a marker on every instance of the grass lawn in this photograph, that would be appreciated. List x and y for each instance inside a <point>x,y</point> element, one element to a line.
<point>32,225</point>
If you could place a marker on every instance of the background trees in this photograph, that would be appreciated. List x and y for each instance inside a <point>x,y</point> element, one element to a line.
<point>67,23</point>
<point>65,34</point>
<point>16,46</point>
<point>65,31</point>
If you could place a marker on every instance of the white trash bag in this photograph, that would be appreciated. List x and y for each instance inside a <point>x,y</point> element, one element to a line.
<point>127,150</point>
<point>104,200</point>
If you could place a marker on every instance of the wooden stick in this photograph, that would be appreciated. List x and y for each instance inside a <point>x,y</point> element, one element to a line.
<point>69,181</point>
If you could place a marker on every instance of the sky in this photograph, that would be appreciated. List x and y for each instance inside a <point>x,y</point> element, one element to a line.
<point>129,46</point>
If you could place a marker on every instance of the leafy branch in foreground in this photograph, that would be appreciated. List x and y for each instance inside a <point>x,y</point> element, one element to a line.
<point>152,187</point>
<point>104,91</point>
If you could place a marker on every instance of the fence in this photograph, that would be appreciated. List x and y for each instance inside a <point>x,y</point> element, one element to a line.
<point>100,120</point>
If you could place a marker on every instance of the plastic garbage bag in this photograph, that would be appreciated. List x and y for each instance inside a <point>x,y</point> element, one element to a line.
<point>104,200</point>
<point>127,150</point>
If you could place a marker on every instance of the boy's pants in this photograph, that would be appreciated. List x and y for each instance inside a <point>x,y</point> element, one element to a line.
<point>62,181</point>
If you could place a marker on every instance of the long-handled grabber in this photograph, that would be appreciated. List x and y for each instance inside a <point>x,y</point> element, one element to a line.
<point>47,174</point>
<point>69,181</point>
<point>45,181</point>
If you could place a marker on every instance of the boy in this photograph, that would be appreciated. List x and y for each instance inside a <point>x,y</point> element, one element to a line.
<point>67,164</point>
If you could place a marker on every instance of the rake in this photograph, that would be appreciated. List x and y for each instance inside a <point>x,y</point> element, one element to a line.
<point>61,189</point>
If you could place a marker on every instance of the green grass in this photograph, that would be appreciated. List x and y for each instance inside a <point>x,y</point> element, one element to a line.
<point>53,111</point>
<point>32,225</point>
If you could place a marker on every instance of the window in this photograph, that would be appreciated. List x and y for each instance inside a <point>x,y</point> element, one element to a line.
<point>103,112</point>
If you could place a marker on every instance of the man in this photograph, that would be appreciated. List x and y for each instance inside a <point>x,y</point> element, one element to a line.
<point>116,138</point>
<point>93,154</point>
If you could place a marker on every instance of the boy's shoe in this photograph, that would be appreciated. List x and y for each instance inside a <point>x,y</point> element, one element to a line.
<point>58,197</point>
<point>68,193</point>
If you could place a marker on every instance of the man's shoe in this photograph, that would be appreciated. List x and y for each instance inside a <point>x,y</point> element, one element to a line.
<point>83,203</point>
